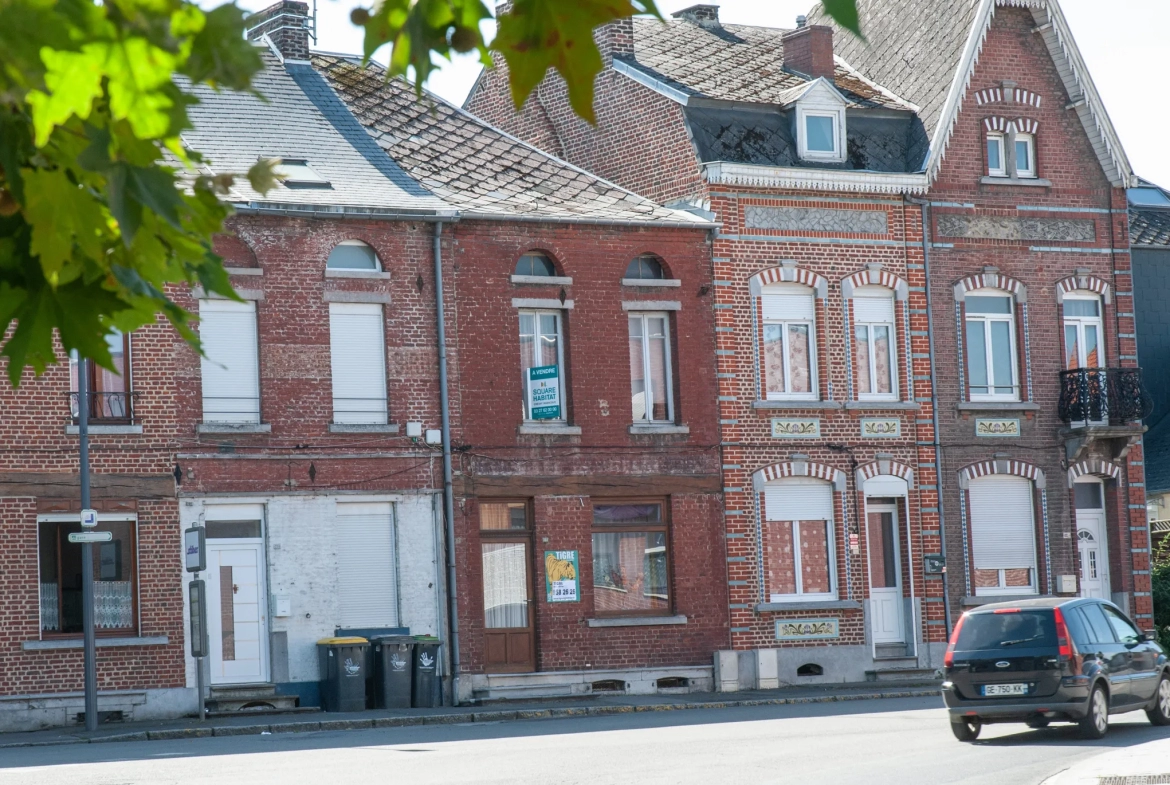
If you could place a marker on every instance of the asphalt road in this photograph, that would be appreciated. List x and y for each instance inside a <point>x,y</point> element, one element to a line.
<point>900,741</point>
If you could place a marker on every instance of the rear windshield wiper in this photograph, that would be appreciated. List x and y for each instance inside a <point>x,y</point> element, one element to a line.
<point>1019,640</point>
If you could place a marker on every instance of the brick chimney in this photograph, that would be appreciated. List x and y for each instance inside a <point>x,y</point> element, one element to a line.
<point>615,39</point>
<point>809,49</point>
<point>287,24</point>
<point>703,15</point>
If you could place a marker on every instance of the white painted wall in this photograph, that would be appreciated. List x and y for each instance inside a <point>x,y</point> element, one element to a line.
<point>302,565</point>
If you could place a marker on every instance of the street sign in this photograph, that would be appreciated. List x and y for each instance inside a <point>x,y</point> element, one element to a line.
<point>88,519</point>
<point>195,549</point>
<point>91,536</point>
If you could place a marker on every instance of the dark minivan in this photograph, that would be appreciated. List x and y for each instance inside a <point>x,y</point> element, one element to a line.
<point>1052,659</point>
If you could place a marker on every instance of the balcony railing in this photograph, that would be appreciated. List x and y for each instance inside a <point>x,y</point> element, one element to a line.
<point>106,407</point>
<point>1103,396</point>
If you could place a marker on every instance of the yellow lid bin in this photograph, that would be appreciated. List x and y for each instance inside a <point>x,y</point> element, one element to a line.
<point>342,641</point>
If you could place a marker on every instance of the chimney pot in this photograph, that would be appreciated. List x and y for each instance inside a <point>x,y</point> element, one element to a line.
<point>801,20</point>
<point>809,50</point>
<point>287,25</point>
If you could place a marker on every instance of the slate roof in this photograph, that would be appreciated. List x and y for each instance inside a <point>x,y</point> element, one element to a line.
<point>1149,226</point>
<point>301,119</point>
<point>473,166</point>
<point>735,63</point>
<point>1156,453</point>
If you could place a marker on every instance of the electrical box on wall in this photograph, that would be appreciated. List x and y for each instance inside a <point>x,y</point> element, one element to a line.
<point>414,429</point>
<point>283,606</point>
<point>1066,584</point>
<point>434,436</point>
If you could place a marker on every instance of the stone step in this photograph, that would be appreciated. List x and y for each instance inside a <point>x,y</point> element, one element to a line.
<point>230,691</point>
<point>525,692</point>
<point>883,651</point>
<point>234,698</point>
<point>250,712</point>
<point>902,675</point>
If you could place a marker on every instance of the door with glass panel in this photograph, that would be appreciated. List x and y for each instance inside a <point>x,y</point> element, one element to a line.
<point>1085,349</point>
<point>506,551</point>
<point>885,575</point>
<point>237,619</point>
<point>1089,495</point>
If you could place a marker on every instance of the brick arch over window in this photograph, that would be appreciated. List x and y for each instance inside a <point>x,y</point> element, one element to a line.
<point>1086,283</point>
<point>1093,466</point>
<point>884,466</point>
<point>1002,466</point>
<point>1019,95</point>
<point>788,272</point>
<point>875,277</point>
<point>991,280</point>
<point>798,468</point>
<point>1023,125</point>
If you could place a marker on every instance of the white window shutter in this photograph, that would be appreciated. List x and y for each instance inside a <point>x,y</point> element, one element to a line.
<point>787,304</point>
<point>1003,533</point>
<point>230,365</point>
<point>367,573</point>
<point>873,307</point>
<point>798,499</point>
<point>358,362</point>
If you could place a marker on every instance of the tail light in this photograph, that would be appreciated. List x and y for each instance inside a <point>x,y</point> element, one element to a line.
<point>1064,641</point>
<point>949,657</point>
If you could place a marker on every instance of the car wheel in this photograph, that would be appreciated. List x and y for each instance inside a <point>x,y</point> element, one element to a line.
<point>1040,723</point>
<point>1096,720</point>
<point>966,730</point>
<point>1160,714</point>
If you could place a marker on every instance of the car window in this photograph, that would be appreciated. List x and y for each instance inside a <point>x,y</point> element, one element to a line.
<point>1126,632</point>
<point>1077,627</point>
<point>1100,629</point>
<point>1022,629</point>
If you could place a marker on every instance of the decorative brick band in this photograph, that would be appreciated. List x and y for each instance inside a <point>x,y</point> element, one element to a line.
<point>884,466</point>
<point>798,468</point>
<point>875,278</point>
<point>789,273</point>
<point>1023,125</point>
<point>1002,466</point>
<point>1094,466</point>
<point>995,95</point>
<point>990,281</point>
<point>1084,283</point>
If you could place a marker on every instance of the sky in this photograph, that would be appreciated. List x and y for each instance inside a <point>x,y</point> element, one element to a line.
<point>1123,42</point>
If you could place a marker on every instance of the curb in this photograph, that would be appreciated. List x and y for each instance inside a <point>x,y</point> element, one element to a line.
<point>504,715</point>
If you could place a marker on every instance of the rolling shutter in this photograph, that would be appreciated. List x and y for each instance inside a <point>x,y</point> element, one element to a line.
<point>230,365</point>
<point>873,306</point>
<point>788,304</point>
<point>358,362</point>
<point>367,572</point>
<point>1003,535</point>
<point>798,499</point>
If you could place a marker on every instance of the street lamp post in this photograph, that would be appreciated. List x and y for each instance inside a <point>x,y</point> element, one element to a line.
<point>87,620</point>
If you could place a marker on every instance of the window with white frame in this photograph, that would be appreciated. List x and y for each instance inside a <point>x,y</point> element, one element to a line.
<point>230,366</point>
<point>541,348</point>
<point>1003,535</point>
<point>996,158</point>
<point>353,255</point>
<point>357,360</point>
<point>1025,155</point>
<point>992,372</point>
<point>820,124</point>
<point>1084,346</point>
<point>875,364</point>
<point>789,342</point>
<point>650,375</point>
<point>799,554</point>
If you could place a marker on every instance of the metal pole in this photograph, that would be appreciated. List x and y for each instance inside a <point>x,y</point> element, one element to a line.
<point>91,710</point>
<point>199,665</point>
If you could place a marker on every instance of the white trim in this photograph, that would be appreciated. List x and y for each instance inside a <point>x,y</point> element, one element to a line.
<point>339,272</point>
<point>641,77</point>
<point>538,303</point>
<point>821,99</point>
<point>651,305</point>
<point>547,280</point>
<point>375,298</point>
<point>75,517</point>
<point>728,173</point>
<point>651,282</point>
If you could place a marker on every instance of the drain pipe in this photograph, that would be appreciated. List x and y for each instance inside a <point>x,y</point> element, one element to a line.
<point>448,489</point>
<point>938,467</point>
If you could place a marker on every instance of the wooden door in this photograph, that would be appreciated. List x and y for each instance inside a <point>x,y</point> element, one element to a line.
<point>506,553</point>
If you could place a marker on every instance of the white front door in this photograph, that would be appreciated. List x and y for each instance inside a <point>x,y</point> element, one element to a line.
<point>885,575</point>
<point>1091,539</point>
<point>237,617</point>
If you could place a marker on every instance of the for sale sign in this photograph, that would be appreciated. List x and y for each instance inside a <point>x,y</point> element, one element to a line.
<point>544,392</point>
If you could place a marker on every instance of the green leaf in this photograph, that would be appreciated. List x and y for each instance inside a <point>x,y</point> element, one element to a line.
<point>844,13</point>
<point>220,55</point>
<point>262,176</point>
<point>137,73</point>
<point>59,212</point>
<point>418,28</point>
<point>73,81</point>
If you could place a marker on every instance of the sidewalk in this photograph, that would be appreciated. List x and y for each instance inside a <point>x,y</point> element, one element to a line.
<point>1141,764</point>
<point>252,724</point>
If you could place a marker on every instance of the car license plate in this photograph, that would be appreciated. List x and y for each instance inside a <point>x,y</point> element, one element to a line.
<point>992,690</point>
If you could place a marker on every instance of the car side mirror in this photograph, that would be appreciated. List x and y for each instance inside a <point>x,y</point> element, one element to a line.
<point>1150,636</point>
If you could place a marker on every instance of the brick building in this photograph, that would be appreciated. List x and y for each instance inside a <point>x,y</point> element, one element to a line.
<point>817,184</point>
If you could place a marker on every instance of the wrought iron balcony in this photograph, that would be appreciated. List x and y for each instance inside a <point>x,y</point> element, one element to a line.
<point>106,408</point>
<point>1103,396</point>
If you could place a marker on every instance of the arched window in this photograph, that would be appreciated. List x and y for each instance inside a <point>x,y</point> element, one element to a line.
<point>645,267</point>
<point>353,255</point>
<point>535,264</point>
<point>992,367</point>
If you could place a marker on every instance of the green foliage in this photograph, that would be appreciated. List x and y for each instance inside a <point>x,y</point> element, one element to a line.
<point>1160,576</point>
<point>100,206</point>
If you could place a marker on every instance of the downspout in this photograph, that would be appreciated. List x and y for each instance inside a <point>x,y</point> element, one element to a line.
<point>938,466</point>
<point>448,489</point>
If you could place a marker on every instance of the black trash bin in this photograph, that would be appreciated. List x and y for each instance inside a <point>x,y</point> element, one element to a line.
<point>428,690</point>
<point>343,663</point>
<point>393,661</point>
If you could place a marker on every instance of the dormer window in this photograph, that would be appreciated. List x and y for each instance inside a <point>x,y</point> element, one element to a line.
<point>820,123</point>
<point>820,133</point>
<point>296,173</point>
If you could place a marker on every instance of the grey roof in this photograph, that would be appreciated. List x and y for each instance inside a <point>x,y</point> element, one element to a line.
<point>1151,292</point>
<point>911,47</point>
<point>1156,454</point>
<point>736,63</point>
<point>301,118</point>
<point>1149,226</point>
<point>473,166</point>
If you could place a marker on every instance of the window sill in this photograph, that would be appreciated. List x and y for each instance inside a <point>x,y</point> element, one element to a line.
<point>335,427</point>
<point>667,282</point>
<point>243,271</point>
<point>233,427</point>
<point>638,621</point>
<point>987,599</point>
<point>997,406</point>
<point>654,430</point>
<point>376,275</point>
<point>558,429</point>
<point>888,405</point>
<point>823,605</point>
<point>102,643</point>
<point>98,430</point>
<point>797,405</point>
<point>546,280</point>
<point>1035,182</point>
<point>651,305</point>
